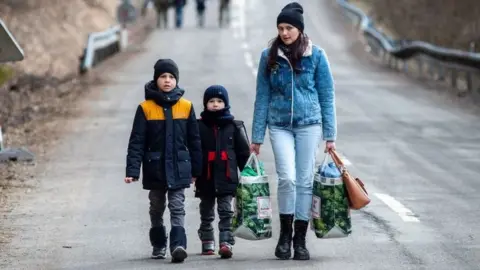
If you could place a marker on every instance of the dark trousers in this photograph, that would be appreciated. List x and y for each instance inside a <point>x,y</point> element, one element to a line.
<point>176,205</point>
<point>162,18</point>
<point>207,216</point>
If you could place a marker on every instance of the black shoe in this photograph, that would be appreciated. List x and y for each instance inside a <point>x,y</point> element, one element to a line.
<point>283,249</point>
<point>179,254</point>
<point>299,241</point>
<point>178,244</point>
<point>158,239</point>
<point>159,253</point>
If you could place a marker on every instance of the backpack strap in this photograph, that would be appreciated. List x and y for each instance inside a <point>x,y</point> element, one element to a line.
<point>240,127</point>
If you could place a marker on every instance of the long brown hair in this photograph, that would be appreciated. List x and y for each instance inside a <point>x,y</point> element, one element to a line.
<point>297,50</point>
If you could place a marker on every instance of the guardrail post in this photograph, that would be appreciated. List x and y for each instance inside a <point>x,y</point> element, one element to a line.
<point>405,65</point>
<point>454,76</point>
<point>420,67</point>
<point>468,77</point>
<point>430,65</point>
<point>1,139</point>
<point>123,38</point>
<point>386,57</point>
<point>441,72</point>
<point>381,53</point>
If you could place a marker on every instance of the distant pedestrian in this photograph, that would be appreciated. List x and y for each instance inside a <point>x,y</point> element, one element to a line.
<point>224,13</point>
<point>225,150</point>
<point>179,8</point>
<point>162,6</point>
<point>165,142</point>
<point>295,99</point>
<point>201,7</point>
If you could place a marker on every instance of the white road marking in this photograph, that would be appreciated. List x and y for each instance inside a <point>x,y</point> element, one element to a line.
<point>241,18</point>
<point>405,214</point>
<point>248,59</point>
<point>346,162</point>
<point>239,32</point>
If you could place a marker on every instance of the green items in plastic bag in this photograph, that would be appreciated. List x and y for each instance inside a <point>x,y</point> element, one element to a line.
<point>253,212</point>
<point>330,208</point>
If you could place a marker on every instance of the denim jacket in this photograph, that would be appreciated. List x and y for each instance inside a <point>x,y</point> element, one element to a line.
<point>288,99</point>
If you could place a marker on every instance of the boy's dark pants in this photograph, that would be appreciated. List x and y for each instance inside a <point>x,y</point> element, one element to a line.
<point>176,205</point>
<point>207,216</point>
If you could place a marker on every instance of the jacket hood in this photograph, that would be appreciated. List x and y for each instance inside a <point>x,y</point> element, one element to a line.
<point>164,99</point>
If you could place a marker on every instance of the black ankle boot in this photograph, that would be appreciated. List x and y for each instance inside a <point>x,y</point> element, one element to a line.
<point>283,249</point>
<point>299,241</point>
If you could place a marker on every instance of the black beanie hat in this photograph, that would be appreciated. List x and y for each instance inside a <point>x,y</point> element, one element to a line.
<point>216,91</point>
<point>163,66</point>
<point>292,14</point>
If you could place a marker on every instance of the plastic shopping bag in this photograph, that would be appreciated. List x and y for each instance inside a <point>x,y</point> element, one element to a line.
<point>330,207</point>
<point>253,212</point>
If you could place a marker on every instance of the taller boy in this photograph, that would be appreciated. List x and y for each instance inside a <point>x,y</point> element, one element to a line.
<point>165,138</point>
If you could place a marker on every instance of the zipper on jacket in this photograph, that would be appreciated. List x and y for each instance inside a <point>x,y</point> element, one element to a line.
<point>293,97</point>
<point>218,158</point>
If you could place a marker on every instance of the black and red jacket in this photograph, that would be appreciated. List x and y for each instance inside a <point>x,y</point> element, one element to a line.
<point>225,150</point>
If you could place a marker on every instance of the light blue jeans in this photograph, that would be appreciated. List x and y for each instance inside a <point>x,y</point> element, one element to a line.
<point>295,152</point>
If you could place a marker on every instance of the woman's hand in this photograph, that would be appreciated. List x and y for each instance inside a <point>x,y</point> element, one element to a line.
<point>329,145</point>
<point>255,148</point>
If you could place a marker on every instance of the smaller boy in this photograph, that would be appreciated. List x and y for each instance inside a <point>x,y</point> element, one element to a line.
<point>225,148</point>
<point>165,140</point>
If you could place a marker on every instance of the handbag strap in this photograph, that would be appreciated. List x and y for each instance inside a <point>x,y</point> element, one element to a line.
<point>337,160</point>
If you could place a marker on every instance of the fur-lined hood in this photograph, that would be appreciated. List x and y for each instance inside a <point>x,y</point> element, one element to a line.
<point>308,51</point>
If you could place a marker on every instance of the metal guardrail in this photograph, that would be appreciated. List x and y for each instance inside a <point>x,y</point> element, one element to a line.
<point>461,69</point>
<point>100,46</point>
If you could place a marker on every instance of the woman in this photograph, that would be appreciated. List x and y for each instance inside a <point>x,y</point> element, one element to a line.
<point>295,98</point>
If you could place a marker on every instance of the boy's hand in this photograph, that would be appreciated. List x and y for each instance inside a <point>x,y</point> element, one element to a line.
<point>129,180</point>
<point>193,180</point>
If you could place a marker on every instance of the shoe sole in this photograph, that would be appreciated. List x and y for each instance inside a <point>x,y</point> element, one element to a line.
<point>210,252</point>
<point>157,257</point>
<point>179,255</point>
<point>283,256</point>
<point>225,253</point>
<point>301,258</point>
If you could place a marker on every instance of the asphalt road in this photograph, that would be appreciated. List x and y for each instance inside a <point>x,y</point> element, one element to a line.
<point>417,152</point>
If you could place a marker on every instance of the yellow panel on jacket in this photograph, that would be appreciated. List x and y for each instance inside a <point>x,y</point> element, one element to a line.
<point>153,111</point>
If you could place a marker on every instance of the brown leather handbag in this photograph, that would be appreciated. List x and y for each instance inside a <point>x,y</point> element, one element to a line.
<point>357,194</point>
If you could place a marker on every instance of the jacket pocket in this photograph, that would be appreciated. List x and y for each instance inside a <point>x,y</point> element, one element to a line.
<point>306,77</point>
<point>184,165</point>
<point>277,79</point>
<point>152,166</point>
